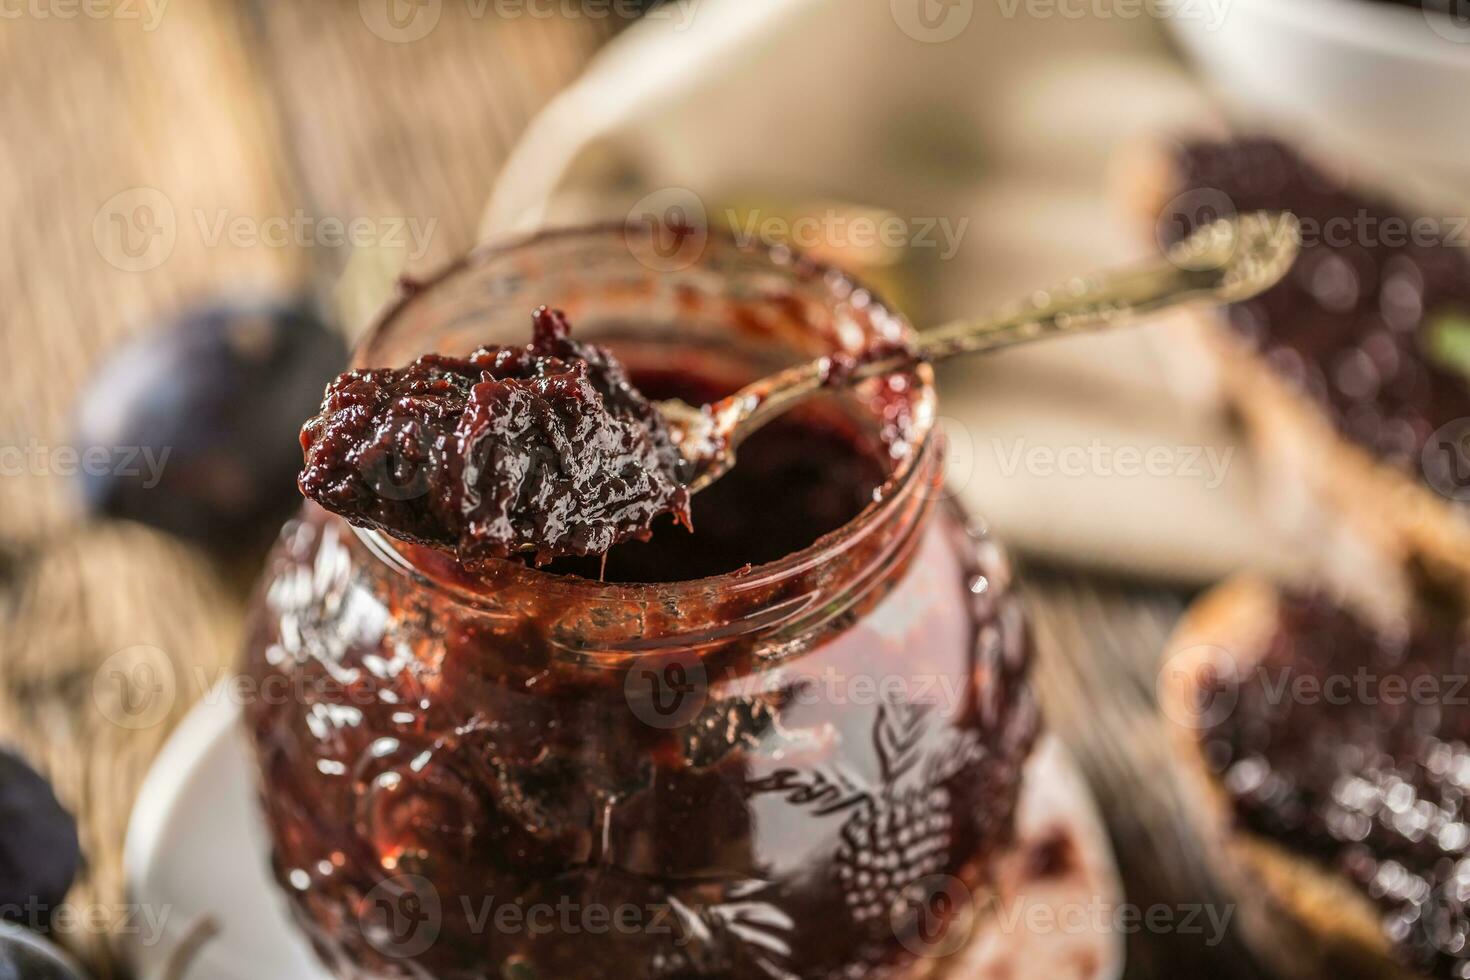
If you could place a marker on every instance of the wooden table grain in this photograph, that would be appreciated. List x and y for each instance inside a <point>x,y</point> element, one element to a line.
<point>125,142</point>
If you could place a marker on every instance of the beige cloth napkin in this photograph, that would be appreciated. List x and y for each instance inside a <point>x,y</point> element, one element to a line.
<point>1001,123</point>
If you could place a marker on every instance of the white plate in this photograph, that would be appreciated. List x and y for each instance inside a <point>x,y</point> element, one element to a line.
<point>197,854</point>
<point>197,851</point>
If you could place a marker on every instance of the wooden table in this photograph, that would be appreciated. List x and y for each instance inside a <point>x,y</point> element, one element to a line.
<point>269,109</point>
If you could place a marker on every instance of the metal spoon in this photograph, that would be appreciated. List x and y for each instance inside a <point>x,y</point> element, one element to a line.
<point>1230,260</point>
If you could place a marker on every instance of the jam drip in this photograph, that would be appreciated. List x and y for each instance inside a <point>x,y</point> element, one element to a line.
<point>1351,745</point>
<point>1358,324</point>
<point>546,448</point>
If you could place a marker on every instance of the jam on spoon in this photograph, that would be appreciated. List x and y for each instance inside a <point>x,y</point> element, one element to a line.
<point>550,449</point>
<point>546,448</point>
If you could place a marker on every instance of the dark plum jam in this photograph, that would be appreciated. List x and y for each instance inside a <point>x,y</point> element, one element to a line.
<point>629,768</point>
<point>1373,321</point>
<point>799,478</point>
<point>546,448</point>
<point>1350,745</point>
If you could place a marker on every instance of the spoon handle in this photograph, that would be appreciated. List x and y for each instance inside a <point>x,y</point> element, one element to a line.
<point>1232,259</point>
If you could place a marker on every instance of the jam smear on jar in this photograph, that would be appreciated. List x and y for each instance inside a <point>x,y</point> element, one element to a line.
<point>1373,320</point>
<point>1350,744</point>
<point>546,448</point>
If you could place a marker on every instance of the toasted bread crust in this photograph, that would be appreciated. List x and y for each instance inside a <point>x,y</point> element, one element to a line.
<point>1306,920</point>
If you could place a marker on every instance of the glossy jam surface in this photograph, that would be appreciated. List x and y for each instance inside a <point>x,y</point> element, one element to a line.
<point>1371,321</point>
<point>800,477</point>
<point>546,448</point>
<point>1351,745</point>
<point>524,774</point>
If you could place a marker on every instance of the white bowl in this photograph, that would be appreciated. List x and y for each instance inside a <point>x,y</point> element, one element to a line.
<point>1382,82</point>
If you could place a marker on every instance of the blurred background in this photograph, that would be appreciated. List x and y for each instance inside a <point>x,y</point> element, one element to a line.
<point>207,201</point>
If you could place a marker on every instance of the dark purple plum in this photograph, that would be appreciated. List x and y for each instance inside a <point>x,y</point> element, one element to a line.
<point>39,849</point>
<point>193,428</point>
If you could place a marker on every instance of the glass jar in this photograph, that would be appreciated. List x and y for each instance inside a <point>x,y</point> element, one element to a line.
<point>521,773</point>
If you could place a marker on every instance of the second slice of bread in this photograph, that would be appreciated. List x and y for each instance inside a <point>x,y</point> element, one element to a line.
<point>1308,920</point>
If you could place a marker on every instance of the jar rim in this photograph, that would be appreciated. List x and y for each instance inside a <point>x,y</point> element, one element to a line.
<point>839,286</point>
